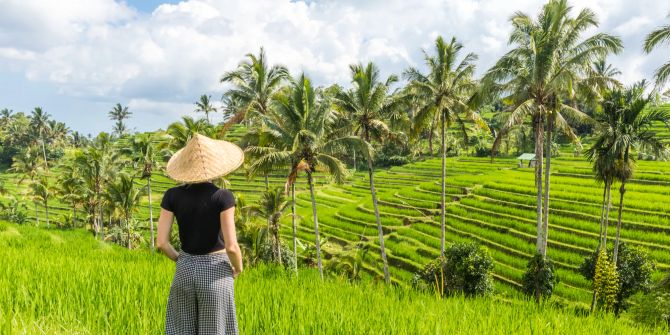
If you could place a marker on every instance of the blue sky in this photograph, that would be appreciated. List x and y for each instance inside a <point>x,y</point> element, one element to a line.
<point>76,59</point>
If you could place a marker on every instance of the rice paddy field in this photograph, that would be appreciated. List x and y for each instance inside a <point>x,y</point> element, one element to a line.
<point>66,282</point>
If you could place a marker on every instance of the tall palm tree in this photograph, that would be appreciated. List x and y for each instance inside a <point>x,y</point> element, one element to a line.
<point>300,140</point>
<point>146,157</point>
<point>255,84</point>
<point>126,198</point>
<point>447,90</point>
<point>656,39</point>
<point>27,164</point>
<point>633,131</point>
<point>39,123</point>
<point>550,56</point>
<point>119,114</point>
<point>40,193</point>
<point>364,107</point>
<point>180,132</point>
<point>97,164</point>
<point>271,206</point>
<point>204,105</point>
<point>71,186</point>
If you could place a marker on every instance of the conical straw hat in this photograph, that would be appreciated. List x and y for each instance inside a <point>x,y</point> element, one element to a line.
<point>204,159</point>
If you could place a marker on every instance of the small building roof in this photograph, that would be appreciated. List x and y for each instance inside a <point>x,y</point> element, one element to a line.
<point>526,157</point>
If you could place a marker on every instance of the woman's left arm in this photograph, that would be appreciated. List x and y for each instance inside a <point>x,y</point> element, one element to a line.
<point>163,238</point>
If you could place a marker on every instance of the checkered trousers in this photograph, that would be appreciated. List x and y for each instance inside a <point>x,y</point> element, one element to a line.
<point>201,297</point>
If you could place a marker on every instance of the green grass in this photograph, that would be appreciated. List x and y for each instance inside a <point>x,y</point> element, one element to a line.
<point>66,282</point>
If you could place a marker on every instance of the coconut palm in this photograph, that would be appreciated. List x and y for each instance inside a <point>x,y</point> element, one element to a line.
<point>204,105</point>
<point>550,56</point>
<point>446,90</point>
<point>299,136</point>
<point>364,106</point>
<point>39,189</point>
<point>180,132</point>
<point>97,164</point>
<point>656,39</point>
<point>126,198</point>
<point>146,157</point>
<point>634,131</point>
<point>119,114</point>
<point>255,84</point>
<point>26,163</point>
<point>271,206</point>
<point>39,124</point>
<point>71,186</point>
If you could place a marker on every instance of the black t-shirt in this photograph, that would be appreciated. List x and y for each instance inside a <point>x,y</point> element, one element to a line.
<point>197,208</point>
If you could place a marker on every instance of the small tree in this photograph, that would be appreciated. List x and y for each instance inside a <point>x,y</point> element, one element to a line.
<point>464,268</point>
<point>539,280</point>
<point>605,282</point>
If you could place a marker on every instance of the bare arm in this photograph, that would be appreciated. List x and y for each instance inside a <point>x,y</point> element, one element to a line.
<point>163,238</point>
<point>230,239</point>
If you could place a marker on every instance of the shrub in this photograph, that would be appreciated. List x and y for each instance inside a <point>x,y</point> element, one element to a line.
<point>634,269</point>
<point>539,280</point>
<point>464,268</point>
<point>605,281</point>
<point>654,308</point>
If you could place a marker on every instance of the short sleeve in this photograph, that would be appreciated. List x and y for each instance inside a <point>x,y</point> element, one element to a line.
<point>225,199</point>
<point>166,202</point>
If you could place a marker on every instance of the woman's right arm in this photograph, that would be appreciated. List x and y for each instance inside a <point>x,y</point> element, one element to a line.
<point>230,239</point>
<point>163,236</point>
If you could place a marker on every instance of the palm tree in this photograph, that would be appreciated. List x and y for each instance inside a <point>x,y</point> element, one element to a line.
<point>39,122</point>
<point>364,107</point>
<point>634,130</point>
<point>119,114</point>
<point>146,157</point>
<point>550,57</point>
<point>655,39</point>
<point>125,197</point>
<point>272,205</point>
<point>97,165</point>
<point>446,89</point>
<point>180,132</point>
<point>40,193</point>
<point>255,84</point>
<point>299,135</point>
<point>71,186</point>
<point>26,164</point>
<point>204,105</point>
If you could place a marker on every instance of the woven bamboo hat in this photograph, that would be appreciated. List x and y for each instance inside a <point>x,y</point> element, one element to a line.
<point>204,159</point>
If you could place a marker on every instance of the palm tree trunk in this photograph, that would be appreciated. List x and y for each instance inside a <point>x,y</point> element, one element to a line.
<point>354,160</point>
<point>46,210</point>
<point>547,173</point>
<point>276,231</point>
<point>615,254</point>
<point>442,199</point>
<point>607,214</point>
<point>74,215</point>
<point>430,138</point>
<point>151,213</point>
<point>37,215</point>
<point>267,182</point>
<point>295,238</point>
<point>539,144</point>
<point>316,223</point>
<point>44,152</point>
<point>602,216</point>
<point>387,278</point>
<point>128,232</point>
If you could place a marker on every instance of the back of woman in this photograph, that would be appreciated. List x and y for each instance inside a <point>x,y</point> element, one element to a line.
<point>201,299</point>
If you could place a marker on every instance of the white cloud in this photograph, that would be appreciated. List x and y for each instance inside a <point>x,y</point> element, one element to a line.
<point>106,50</point>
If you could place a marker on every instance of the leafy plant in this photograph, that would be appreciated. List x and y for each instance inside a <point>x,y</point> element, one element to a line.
<point>540,278</point>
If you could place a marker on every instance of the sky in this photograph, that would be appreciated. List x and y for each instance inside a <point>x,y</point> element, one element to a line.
<point>77,58</point>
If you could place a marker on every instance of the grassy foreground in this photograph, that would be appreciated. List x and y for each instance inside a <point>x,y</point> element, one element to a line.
<point>66,282</point>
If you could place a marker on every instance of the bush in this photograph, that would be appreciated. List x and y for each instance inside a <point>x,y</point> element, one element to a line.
<point>634,269</point>
<point>653,308</point>
<point>464,268</point>
<point>539,280</point>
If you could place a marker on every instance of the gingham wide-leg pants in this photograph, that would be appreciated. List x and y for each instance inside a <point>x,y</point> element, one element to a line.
<point>201,297</point>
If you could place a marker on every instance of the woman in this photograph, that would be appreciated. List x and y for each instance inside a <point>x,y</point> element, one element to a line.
<point>201,297</point>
